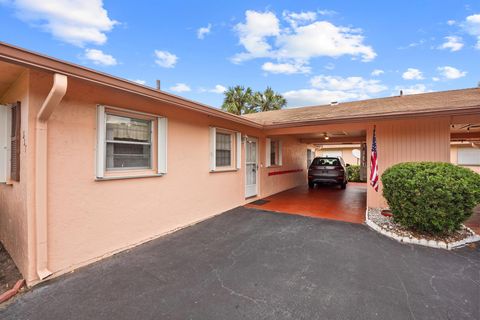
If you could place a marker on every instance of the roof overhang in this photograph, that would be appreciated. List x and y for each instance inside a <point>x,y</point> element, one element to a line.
<point>475,110</point>
<point>32,60</point>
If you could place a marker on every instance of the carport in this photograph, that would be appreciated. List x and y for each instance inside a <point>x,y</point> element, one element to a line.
<point>325,201</point>
<point>409,128</point>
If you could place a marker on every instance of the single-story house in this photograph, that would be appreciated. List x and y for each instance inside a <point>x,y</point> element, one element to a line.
<point>91,164</point>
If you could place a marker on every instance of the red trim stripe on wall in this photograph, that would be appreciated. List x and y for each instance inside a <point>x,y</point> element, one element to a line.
<point>275,173</point>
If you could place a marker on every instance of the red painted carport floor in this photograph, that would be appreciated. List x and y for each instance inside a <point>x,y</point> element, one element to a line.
<point>328,202</point>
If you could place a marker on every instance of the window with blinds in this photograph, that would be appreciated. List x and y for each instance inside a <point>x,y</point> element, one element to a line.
<point>128,142</point>
<point>223,149</point>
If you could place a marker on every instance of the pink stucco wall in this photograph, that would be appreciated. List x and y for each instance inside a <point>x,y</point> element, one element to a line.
<point>88,219</point>
<point>14,195</point>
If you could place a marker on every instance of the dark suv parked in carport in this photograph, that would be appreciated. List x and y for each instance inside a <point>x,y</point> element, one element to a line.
<point>332,170</point>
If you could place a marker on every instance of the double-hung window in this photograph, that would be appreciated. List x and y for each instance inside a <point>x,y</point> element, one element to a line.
<point>225,149</point>
<point>273,152</point>
<point>130,142</point>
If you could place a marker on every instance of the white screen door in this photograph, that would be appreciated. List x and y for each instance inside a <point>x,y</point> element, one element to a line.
<point>251,167</point>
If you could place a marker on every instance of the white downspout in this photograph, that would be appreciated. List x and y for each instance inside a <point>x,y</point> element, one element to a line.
<point>53,99</point>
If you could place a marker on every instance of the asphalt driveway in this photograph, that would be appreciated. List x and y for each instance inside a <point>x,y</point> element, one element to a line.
<point>251,264</point>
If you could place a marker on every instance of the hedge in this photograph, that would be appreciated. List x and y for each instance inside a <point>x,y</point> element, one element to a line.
<point>431,197</point>
<point>353,172</point>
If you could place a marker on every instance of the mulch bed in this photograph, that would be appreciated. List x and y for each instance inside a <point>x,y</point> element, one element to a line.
<point>9,274</point>
<point>388,224</point>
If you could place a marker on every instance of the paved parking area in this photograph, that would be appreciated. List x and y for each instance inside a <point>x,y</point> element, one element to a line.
<point>252,264</point>
<point>324,201</point>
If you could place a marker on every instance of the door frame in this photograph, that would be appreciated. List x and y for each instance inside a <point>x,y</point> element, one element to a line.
<point>257,149</point>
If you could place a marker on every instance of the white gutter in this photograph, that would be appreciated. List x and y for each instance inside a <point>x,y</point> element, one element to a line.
<point>57,92</point>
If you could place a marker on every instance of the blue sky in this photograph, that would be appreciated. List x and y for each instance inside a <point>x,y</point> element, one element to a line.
<point>313,52</point>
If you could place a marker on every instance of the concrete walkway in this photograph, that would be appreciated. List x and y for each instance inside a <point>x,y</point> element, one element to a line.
<point>250,264</point>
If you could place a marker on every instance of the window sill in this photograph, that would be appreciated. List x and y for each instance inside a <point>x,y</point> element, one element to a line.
<point>224,170</point>
<point>130,177</point>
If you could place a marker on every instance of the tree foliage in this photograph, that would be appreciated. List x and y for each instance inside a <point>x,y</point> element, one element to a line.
<point>240,100</point>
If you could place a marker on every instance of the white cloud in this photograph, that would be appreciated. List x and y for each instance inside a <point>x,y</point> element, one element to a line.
<point>326,12</point>
<point>299,18</point>
<point>77,22</point>
<point>218,89</point>
<point>305,38</point>
<point>307,97</point>
<point>165,59</point>
<point>453,43</point>
<point>451,22</point>
<point>180,87</point>
<point>203,31</point>
<point>377,72</point>
<point>451,73</point>
<point>285,68</point>
<point>322,38</point>
<point>100,58</point>
<point>356,84</point>
<point>415,89</point>
<point>472,27</point>
<point>253,33</point>
<point>412,74</point>
<point>413,44</point>
<point>325,89</point>
<point>142,82</point>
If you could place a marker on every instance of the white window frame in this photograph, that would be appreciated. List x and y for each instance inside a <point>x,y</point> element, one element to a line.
<point>468,153</point>
<point>236,150</point>
<point>158,165</point>
<point>5,142</point>
<point>278,153</point>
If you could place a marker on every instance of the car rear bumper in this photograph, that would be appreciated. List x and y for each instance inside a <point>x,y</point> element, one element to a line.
<point>317,179</point>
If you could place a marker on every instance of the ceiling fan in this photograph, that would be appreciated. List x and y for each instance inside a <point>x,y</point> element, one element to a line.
<point>467,126</point>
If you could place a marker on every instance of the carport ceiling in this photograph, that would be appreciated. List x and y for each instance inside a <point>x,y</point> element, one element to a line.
<point>465,131</point>
<point>333,137</point>
<point>9,73</point>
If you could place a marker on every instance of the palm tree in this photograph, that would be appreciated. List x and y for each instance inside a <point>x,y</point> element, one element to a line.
<point>238,100</point>
<point>268,100</point>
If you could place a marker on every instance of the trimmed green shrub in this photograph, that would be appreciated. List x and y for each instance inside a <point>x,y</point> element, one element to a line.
<point>431,197</point>
<point>353,172</point>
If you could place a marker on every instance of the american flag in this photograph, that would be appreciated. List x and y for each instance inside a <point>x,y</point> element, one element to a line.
<point>374,163</point>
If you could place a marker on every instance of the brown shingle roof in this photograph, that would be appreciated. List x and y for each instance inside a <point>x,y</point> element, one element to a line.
<point>425,103</point>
